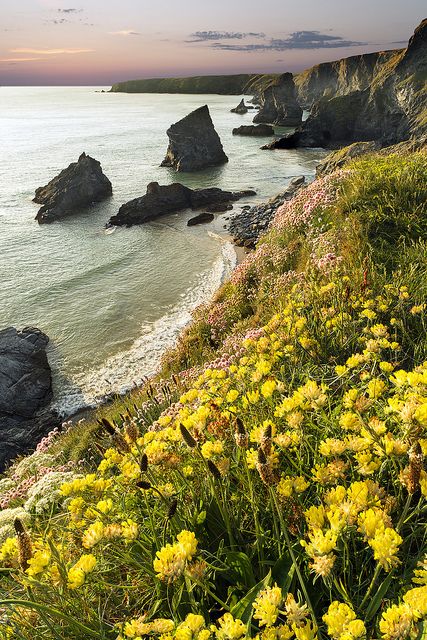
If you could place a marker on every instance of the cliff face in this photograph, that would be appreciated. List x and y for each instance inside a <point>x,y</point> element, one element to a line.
<point>279,103</point>
<point>331,79</point>
<point>391,109</point>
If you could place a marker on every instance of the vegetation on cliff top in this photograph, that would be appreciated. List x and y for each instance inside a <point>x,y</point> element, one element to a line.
<point>271,485</point>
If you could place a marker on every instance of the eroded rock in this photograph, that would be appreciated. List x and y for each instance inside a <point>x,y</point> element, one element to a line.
<point>78,186</point>
<point>193,143</point>
<point>25,392</point>
<point>161,200</point>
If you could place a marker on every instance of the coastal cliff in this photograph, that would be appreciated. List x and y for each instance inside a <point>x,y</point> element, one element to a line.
<point>392,108</point>
<point>221,85</point>
<point>340,77</point>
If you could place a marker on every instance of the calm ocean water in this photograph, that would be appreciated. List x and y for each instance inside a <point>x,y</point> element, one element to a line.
<point>111,303</point>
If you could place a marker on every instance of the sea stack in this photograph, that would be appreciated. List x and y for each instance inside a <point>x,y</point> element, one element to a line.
<point>193,143</point>
<point>78,186</point>
<point>241,108</point>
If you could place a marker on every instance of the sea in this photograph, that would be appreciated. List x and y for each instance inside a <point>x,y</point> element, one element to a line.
<point>113,300</point>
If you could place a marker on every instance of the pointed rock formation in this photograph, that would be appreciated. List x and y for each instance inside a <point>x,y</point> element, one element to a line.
<point>161,200</point>
<point>77,186</point>
<point>241,108</point>
<point>279,103</point>
<point>193,143</point>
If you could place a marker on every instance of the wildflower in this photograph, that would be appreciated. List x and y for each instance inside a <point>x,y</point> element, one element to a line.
<point>323,565</point>
<point>93,535</point>
<point>230,628</point>
<point>342,622</point>
<point>77,574</point>
<point>396,622</point>
<point>385,545</point>
<point>38,563</point>
<point>295,612</point>
<point>267,605</point>
<point>417,600</point>
<point>268,388</point>
<point>320,543</point>
<point>171,560</point>
<point>373,521</point>
<point>129,530</point>
<point>306,631</point>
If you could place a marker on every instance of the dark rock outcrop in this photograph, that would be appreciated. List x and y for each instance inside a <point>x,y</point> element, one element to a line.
<point>161,200</point>
<point>254,130</point>
<point>193,143</point>
<point>338,159</point>
<point>280,143</point>
<point>392,109</point>
<point>248,225</point>
<point>77,186</point>
<point>279,103</point>
<point>25,392</point>
<point>202,218</point>
<point>241,108</point>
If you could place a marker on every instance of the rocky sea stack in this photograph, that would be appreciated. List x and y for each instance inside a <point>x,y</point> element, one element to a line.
<point>78,186</point>
<point>241,108</point>
<point>25,392</point>
<point>161,200</point>
<point>193,143</point>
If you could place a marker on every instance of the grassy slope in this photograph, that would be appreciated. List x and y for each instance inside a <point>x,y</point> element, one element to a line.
<point>288,439</point>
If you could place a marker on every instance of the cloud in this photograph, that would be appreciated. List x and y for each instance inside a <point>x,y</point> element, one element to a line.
<point>15,60</point>
<point>296,40</point>
<point>52,52</point>
<point>124,32</point>
<point>208,36</point>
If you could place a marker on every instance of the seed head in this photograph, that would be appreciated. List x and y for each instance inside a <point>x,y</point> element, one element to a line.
<point>24,544</point>
<point>187,437</point>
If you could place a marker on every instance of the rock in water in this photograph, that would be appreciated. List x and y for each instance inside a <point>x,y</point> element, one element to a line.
<point>241,108</point>
<point>202,218</point>
<point>254,130</point>
<point>77,186</point>
<point>193,143</point>
<point>279,103</point>
<point>161,200</point>
<point>25,392</point>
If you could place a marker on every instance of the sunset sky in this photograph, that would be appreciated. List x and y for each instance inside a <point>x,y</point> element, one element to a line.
<point>45,42</point>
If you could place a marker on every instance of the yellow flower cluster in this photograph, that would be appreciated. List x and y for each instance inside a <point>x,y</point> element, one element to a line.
<point>172,559</point>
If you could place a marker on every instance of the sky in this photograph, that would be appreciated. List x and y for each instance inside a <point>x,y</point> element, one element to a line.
<point>99,42</point>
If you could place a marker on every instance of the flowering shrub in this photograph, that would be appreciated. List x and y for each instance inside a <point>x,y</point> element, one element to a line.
<point>281,495</point>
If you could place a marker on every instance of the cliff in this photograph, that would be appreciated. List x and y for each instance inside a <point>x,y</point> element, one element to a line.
<point>340,77</point>
<point>223,85</point>
<point>391,109</point>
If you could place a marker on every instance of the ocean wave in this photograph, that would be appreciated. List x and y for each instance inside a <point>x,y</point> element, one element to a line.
<point>122,371</point>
